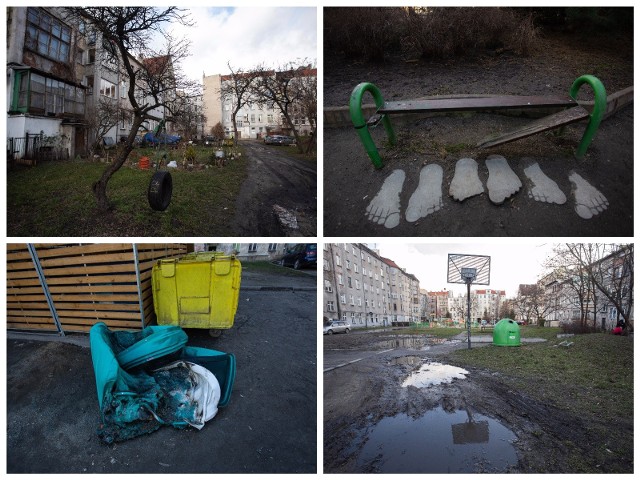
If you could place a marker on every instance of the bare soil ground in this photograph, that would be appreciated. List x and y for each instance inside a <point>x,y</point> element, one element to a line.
<point>350,181</point>
<point>549,438</point>
<point>276,177</point>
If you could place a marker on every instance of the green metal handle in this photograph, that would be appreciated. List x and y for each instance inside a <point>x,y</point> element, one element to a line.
<point>599,108</point>
<point>359,122</point>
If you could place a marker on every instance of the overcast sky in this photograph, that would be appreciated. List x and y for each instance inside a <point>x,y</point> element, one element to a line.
<point>511,264</point>
<point>247,37</point>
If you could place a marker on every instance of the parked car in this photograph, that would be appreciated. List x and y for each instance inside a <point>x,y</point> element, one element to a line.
<point>336,326</point>
<point>279,140</point>
<point>301,255</point>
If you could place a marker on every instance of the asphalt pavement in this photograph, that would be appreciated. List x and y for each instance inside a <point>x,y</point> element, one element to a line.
<point>269,425</point>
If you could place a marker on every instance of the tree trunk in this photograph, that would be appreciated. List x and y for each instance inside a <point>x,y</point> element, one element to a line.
<point>100,187</point>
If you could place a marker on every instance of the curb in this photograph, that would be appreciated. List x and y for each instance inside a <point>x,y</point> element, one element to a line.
<point>278,289</point>
<point>335,117</point>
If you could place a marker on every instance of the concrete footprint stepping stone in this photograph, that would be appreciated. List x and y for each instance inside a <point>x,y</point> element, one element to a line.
<point>589,200</point>
<point>466,182</point>
<point>543,189</point>
<point>502,182</point>
<point>428,196</point>
<point>384,209</point>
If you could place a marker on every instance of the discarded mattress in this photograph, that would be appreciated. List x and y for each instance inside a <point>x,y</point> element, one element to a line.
<point>150,378</point>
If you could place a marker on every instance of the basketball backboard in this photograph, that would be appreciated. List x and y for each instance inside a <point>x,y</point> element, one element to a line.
<point>462,268</point>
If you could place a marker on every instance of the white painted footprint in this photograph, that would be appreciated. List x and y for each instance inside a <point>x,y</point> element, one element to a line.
<point>543,189</point>
<point>589,200</point>
<point>428,196</point>
<point>466,182</point>
<point>385,206</point>
<point>502,181</point>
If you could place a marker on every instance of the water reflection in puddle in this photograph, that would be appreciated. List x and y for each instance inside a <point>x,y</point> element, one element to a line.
<point>410,360</point>
<point>434,374</point>
<point>438,442</point>
<point>414,342</point>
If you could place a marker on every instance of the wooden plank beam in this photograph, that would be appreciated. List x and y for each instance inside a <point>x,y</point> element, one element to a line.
<point>550,122</point>
<point>502,102</point>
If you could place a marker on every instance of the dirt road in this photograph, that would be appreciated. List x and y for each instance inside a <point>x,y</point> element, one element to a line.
<point>278,188</point>
<point>383,414</point>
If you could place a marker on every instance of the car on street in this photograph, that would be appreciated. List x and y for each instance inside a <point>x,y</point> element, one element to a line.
<point>300,255</point>
<point>336,326</point>
<point>279,140</point>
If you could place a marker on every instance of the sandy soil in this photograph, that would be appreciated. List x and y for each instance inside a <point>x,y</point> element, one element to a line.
<point>350,181</point>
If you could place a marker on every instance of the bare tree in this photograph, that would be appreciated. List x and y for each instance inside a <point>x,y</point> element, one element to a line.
<point>100,120</point>
<point>127,34</point>
<point>237,90</point>
<point>610,268</point>
<point>285,89</point>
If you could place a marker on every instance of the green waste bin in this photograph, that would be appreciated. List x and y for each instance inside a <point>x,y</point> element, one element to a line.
<point>506,333</point>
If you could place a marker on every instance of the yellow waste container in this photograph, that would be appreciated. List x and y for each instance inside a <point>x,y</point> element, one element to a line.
<point>198,290</point>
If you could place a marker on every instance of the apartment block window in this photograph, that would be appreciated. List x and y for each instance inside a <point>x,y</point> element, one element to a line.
<point>80,56</point>
<point>344,316</point>
<point>357,285</point>
<point>269,118</point>
<point>343,299</point>
<point>253,117</point>
<point>40,95</point>
<point>47,35</point>
<point>355,267</point>
<point>340,280</point>
<point>327,286</point>
<point>259,118</point>
<point>349,282</point>
<point>107,89</point>
<point>338,260</point>
<point>272,247</point>
<point>348,265</point>
<point>331,306</point>
<point>351,300</point>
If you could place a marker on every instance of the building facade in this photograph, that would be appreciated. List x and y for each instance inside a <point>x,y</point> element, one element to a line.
<point>365,289</point>
<point>61,84</point>
<point>253,120</point>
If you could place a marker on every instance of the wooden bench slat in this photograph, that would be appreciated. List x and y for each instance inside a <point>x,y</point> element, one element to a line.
<point>476,103</point>
<point>549,122</point>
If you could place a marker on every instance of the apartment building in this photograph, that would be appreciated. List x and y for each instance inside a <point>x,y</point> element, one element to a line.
<point>366,289</point>
<point>59,78</point>
<point>253,120</point>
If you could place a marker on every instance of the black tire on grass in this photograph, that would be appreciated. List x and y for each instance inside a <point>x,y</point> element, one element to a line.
<point>160,189</point>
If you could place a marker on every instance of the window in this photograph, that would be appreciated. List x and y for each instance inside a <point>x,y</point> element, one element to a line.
<point>259,118</point>
<point>253,247</point>
<point>107,89</point>
<point>80,56</point>
<point>327,286</point>
<point>273,247</point>
<point>40,95</point>
<point>344,316</point>
<point>47,35</point>
<point>357,285</point>
<point>348,265</point>
<point>349,282</point>
<point>340,280</point>
<point>253,117</point>
<point>343,299</point>
<point>351,301</point>
<point>269,118</point>
<point>355,267</point>
<point>330,306</point>
<point>338,260</point>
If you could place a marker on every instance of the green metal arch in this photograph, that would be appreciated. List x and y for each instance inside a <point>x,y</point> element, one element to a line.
<point>360,124</point>
<point>599,108</point>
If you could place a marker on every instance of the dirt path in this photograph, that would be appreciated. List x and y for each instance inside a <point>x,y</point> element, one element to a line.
<point>351,182</point>
<point>276,178</point>
<point>364,397</point>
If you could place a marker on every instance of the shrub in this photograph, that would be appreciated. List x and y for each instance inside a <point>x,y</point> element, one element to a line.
<point>577,327</point>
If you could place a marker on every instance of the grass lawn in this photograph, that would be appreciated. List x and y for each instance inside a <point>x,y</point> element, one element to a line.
<point>592,378</point>
<point>55,199</point>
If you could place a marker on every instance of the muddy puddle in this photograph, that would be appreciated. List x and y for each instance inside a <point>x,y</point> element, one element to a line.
<point>414,342</point>
<point>437,442</point>
<point>434,374</point>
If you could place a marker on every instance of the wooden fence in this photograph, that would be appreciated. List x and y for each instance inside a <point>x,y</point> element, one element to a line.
<point>62,288</point>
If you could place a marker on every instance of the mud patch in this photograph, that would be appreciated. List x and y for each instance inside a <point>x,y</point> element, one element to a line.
<point>437,442</point>
<point>413,342</point>
<point>434,374</point>
<point>410,360</point>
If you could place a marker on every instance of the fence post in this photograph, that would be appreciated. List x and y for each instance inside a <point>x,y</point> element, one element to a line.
<point>45,288</point>
<point>136,262</point>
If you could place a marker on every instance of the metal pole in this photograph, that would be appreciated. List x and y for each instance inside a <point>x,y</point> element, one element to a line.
<point>136,264</point>
<point>45,287</point>
<point>469,314</point>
